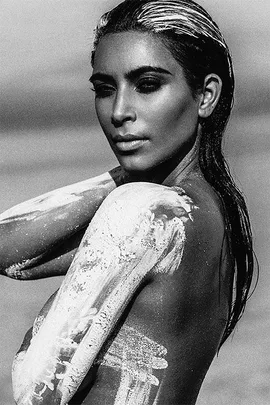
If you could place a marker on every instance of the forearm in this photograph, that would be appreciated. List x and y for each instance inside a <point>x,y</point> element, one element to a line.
<point>33,229</point>
<point>54,263</point>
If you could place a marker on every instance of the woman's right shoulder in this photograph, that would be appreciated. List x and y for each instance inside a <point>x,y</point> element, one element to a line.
<point>209,207</point>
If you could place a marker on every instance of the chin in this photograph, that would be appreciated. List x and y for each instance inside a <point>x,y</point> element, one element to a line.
<point>136,166</point>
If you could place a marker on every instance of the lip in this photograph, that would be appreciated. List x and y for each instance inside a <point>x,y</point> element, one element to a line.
<point>128,142</point>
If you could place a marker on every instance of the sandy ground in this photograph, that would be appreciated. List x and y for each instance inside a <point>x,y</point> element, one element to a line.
<point>34,163</point>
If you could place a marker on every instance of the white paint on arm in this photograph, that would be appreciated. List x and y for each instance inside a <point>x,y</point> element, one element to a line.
<point>30,209</point>
<point>138,230</point>
<point>33,229</point>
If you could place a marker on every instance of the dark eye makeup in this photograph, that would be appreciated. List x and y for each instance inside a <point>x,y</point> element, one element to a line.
<point>144,85</point>
<point>148,85</point>
<point>103,90</point>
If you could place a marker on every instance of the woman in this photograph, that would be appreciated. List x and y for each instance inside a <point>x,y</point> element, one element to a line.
<point>163,271</point>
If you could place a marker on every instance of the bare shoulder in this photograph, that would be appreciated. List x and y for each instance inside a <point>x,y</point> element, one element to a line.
<point>177,316</point>
<point>186,310</point>
<point>193,201</point>
<point>207,227</point>
<point>192,209</point>
<point>206,263</point>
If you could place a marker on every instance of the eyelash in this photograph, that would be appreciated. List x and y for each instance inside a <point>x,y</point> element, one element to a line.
<point>102,90</point>
<point>144,86</point>
<point>148,85</point>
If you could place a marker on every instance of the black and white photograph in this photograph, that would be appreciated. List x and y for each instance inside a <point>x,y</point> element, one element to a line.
<point>134,204</point>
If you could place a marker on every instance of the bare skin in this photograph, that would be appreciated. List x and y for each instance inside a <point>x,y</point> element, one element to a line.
<point>61,218</point>
<point>178,319</point>
<point>184,313</point>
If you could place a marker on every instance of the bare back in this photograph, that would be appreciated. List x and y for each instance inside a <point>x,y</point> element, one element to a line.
<point>167,337</point>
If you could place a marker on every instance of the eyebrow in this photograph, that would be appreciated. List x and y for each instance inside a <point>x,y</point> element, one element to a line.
<point>132,74</point>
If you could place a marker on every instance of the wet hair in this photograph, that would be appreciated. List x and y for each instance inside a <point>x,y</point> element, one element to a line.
<point>197,44</point>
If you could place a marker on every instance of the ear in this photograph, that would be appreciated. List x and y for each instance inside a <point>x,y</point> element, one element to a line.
<point>210,95</point>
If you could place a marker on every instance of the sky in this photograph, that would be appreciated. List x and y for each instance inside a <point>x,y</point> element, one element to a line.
<point>45,59</point>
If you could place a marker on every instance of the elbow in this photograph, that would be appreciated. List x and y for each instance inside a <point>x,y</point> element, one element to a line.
<point>18,271</point>
<point>14,272</point>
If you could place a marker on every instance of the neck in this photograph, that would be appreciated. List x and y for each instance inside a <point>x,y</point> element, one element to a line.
<point>188,164</point>
<point>167,172</point>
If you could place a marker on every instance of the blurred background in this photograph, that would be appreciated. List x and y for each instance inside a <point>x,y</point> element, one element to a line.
<point>50,138</point>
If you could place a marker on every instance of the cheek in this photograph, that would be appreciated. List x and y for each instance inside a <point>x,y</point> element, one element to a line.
<point>103,113</point>
<point>172,112</point>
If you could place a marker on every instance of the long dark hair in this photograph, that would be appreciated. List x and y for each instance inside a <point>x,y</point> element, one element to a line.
<point>196,42</point>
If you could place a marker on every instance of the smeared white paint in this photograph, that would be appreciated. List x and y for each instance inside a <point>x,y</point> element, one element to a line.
<point>60,197</point>
<point>186,202</point>
<point>15,270</point>
<point>136,357</point>
<point>139,229</point>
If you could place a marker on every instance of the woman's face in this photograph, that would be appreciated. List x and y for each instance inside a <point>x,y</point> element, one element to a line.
<point>143,102</point>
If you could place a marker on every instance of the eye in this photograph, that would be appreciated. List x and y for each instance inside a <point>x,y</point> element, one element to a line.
<point>148,85</point>
<point>103,90</point>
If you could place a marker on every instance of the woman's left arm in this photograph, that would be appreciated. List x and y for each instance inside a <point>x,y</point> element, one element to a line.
<point>138,231</point>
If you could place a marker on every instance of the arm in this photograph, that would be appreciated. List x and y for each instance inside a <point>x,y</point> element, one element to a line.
<point>39,237</point>
<point>138,231</point>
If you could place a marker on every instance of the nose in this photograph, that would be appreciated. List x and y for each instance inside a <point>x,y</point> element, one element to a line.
<point>123,109</point>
